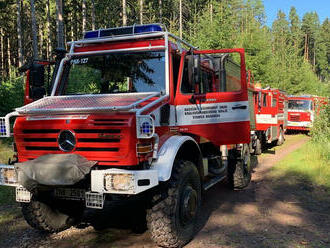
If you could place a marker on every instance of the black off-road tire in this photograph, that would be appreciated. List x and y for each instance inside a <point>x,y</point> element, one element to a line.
<point>170,223</point>
<point>239,171</point>
<point>281,139</point>
<point>42,217</point>
<point>258,149</point>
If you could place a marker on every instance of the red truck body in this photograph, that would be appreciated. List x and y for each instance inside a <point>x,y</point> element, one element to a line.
<point>269,108</point>
<point>301,113</point>
<point>271,112</point>
<point>303,110</point>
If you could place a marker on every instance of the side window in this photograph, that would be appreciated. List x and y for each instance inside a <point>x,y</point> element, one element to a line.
<point>274,102</point>
<point>218,73</point>
<point>186,84</point>
<point>264,100</point>
<point>206,75</point>
<point>233,76</point>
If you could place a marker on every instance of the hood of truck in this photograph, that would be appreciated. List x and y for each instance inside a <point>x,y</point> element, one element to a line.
<point>77,104</point>
<point>109,139</point>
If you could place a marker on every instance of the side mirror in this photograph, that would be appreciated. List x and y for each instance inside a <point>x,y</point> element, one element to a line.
<point>37,75</point>
<point>259,100</point>
<point>37,81</point>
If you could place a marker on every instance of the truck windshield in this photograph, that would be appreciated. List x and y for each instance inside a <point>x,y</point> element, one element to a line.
<point>114,73</point>
<point>300,104</point>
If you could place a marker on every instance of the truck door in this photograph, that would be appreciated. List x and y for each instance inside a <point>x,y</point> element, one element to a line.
<point>212,98</point>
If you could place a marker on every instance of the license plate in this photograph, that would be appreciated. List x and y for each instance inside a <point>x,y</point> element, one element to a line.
<point>68,193</point>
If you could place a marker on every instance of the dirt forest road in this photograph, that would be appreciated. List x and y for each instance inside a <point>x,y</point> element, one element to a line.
<point>266,214</point>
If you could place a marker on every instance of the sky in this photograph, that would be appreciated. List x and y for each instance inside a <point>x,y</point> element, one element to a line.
<point>322,8</point>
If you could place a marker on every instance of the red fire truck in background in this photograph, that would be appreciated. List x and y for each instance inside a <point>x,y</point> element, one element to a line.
<point>270,113</point>
<point>302,111</point>
<point>132,111</point>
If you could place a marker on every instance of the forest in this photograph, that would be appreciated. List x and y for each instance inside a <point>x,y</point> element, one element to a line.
<point>293,54</point>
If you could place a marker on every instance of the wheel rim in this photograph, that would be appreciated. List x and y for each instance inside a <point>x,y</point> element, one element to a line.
<point>188,205</point>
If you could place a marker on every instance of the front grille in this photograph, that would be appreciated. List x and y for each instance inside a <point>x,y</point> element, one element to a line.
<point>98,142</point>
<point>41,148</point>
<point>106,140</point>
<point>94,149</point>
<point>294,117</point>
<point>41,131</point>
<point>97,130</point>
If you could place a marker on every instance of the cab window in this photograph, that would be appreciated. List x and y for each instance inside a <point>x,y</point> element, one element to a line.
<point>216,75</point>
<point>264,100</point>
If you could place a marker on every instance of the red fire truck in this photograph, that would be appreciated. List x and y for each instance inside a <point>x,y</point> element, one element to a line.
<point>301,113</point>
<point>270,109</point>
<point>303,110</point>
<point>132,111</point>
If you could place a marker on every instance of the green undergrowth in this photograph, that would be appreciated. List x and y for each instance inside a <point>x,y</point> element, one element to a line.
<point>7,194</point>
<point>306,164</point>
<point>6,150</point>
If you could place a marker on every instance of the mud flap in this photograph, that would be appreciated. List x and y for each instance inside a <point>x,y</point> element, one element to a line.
<point>53,170</point>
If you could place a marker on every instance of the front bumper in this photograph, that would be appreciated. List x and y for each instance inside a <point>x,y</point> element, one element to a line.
<point>109,181</point>
<point>119,181</point>
<point>299,125</point>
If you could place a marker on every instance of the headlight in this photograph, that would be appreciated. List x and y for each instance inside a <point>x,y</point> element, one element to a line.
<point>8,175</point>
<point>145,128</point>
<point>118,182</point>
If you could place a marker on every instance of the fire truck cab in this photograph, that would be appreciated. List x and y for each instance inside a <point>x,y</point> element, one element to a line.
<point>270,108</point>
<point>132,111</point>
<point>301,111</point>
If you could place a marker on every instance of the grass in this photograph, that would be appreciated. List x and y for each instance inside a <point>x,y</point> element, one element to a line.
<point>6,150</point>
<point>305,164</point>
<point>7,194</point>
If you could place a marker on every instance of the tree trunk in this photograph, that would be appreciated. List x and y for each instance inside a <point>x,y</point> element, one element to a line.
<point>124,13</point>
<point>19,34</point>
<point>83,16</point>
<point>306,48</point>
<point>314,59</point>
<point>71,27</point>
<point>141,11</point>
<point>41,40</point>
<point>2,53</point>
<point>180,17</point>
<point>93,15</point>
<point>211,11</point>
<point>49,41</point>
<point>8,56</point>
<point>160,11</point>
<point>34,31</point>
<point>59,24</point>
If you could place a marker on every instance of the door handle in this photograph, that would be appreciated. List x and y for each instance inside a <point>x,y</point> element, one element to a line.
<point>239,107</point>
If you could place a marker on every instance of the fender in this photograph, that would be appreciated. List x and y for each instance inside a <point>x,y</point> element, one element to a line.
<point>167,155</point>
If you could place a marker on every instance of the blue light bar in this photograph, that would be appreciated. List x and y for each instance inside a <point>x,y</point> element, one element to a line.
<point>147,28</point>
<point>130,30</point>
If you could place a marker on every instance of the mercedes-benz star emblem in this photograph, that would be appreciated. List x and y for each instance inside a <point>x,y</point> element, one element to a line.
<point>66,141</point>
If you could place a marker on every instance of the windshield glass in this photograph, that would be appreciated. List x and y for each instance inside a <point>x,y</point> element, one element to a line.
<point>114,73</point>
<point>300,104</point>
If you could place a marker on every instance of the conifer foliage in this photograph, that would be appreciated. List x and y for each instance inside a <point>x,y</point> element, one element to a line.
<point>293,54</point>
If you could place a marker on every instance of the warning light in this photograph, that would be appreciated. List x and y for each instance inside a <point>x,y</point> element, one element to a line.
<point>129,30</point>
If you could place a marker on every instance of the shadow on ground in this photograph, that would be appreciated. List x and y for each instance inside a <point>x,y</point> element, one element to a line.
<point>288,211</point>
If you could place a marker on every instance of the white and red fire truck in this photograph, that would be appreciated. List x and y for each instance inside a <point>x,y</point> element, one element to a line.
<point>302,111</point>
<point>132,111</point>
<point>271,115</point>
